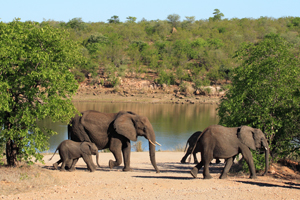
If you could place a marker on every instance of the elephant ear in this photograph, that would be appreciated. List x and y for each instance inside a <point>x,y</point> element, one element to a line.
<point>124,125</point>
<point>246,136</point>
<point>85,147</point>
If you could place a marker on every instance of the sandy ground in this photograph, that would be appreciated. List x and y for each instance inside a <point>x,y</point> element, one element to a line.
<point>173,182</point>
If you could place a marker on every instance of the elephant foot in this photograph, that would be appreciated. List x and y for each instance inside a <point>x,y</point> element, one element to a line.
<point>182,161</point>
<point>62,170</point>
<point>71,169</point>
<point>253,177</point>
<point>55,166</point>
<point>223,176</point>
<point>194,172</point>
<point>207,176</point>
<point>111,164</point>
<point>127,169</point>
<point>92,170</point>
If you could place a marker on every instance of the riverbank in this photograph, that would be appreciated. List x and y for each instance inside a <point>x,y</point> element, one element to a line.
<point>146,98</point>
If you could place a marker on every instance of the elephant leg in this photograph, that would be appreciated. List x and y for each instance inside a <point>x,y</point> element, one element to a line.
<point>69,164</point>
<point>218,160</point>
<point>195,158</point>
<point>63,165</point>
<point>206,158</point>
<point>183,160</point>
<point>195,169</point>
<point>249,159</point>
<point>115,147</point>
<point>227,167</point>
<point>55,165</point>
<point>89,162</point>
<point>126,149</point>
<point>72,168</point>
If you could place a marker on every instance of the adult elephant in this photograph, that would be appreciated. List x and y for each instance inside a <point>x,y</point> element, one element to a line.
<point>217,141</point>
<point>113,131</point>
<point>193,148</point>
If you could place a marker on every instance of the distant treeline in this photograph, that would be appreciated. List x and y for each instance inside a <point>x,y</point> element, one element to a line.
<point>200,51</point>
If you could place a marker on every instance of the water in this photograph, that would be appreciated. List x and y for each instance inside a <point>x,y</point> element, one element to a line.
<point>173,123</point>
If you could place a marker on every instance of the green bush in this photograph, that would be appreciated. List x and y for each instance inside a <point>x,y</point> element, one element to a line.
<point>165,77</point>
<point>79,76</point>
<point>199,82</point>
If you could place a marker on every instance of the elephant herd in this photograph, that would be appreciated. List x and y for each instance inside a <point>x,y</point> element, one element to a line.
<point>92,131</point>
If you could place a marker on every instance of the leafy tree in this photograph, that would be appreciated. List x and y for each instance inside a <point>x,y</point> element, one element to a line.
<point>265,94</point>
<point>188,22</point>
<point>217,15</point>
<point>190,19</point>
<point>76,23</point>
<point>214,76</point>
<point>114,20</point>
<point>35,83</point>
<point>215,43</point>
<point>174,19</point>
<point>131,19</point>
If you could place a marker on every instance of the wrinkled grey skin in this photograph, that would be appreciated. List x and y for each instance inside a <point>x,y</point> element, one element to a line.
<point>113,131</point>
<point>221,142</point>
<point>192,142</point>
<point>71,151</point>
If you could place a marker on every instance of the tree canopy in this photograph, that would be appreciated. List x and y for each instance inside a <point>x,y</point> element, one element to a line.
<point>217,15</point>
<point>265,94</point>
<point>35,82</point>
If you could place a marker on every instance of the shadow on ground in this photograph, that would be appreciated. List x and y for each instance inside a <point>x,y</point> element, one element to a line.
<point>288,185</point>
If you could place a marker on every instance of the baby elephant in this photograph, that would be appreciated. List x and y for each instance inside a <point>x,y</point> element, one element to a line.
<point>70,152</point>
<point>192,148</point>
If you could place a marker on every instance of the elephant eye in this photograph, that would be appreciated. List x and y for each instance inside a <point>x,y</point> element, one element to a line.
<point>144,129</point>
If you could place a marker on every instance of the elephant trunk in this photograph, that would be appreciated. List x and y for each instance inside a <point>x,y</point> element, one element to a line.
<point>267,153</point>
<point>97,159</point>
<point>151,140</point>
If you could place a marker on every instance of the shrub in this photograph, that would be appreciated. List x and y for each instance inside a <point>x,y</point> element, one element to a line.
<point>165,77</point>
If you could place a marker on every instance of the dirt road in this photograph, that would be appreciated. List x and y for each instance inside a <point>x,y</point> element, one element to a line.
<point>173,182</point>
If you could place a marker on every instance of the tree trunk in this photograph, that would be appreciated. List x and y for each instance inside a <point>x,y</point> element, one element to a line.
<point>11,153</point>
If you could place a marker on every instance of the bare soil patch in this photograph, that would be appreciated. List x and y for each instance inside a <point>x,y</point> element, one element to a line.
<point>173,182</point>
<point>146,98</point>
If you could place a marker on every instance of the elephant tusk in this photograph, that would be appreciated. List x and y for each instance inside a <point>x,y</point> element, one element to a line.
<point>266,148</point>
<point>157,143</point>
<point>152,142</point>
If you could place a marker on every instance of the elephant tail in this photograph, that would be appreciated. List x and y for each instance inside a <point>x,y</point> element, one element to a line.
<point>198,140</point>
<point>54,153</point>
<point>185,146</point>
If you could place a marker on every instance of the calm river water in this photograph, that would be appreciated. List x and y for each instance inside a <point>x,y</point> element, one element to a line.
<point>173,123</point>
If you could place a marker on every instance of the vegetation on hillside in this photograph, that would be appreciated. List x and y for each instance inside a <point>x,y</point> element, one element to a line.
<point>199,51</point>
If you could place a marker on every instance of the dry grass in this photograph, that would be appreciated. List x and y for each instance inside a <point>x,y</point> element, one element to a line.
<point>14,180</point>
<point>138,146</point>
<point>179,148</point>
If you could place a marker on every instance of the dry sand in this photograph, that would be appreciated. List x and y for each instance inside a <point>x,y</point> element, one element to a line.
<point>173,182</point>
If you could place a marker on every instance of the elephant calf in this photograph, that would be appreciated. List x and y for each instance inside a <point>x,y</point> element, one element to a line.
<point>192,148</point>
<point>71,151</point>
